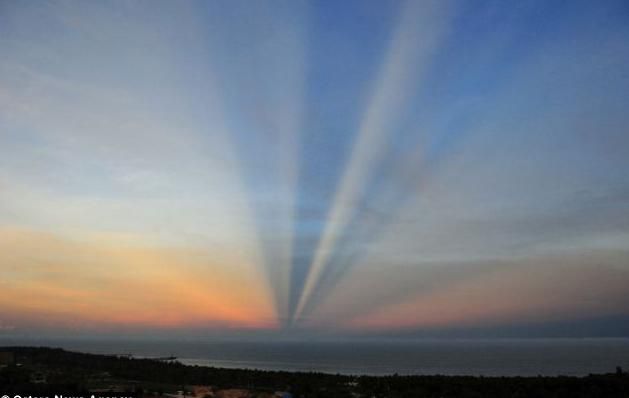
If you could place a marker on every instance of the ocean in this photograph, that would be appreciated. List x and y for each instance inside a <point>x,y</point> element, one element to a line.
<point>510,357</point>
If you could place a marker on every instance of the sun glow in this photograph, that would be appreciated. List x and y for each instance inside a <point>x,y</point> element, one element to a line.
<point>299,167</point>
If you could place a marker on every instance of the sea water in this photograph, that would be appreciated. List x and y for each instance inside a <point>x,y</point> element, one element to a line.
<point>500,357</point>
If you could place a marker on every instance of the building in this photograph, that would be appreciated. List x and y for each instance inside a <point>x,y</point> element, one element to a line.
<point>233,393</point>
<point>202,391</point>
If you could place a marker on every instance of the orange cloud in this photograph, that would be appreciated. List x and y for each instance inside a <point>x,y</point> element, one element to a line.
<point>63,282</point>
<point>534,290</point>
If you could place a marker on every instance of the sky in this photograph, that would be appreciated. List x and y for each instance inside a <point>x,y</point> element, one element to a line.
<point>314,168</point>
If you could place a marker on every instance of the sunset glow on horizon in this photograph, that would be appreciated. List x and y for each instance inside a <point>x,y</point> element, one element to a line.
<point>305,168</point>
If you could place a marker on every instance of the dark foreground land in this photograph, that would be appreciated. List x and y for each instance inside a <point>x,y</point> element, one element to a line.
<point>40,371</point>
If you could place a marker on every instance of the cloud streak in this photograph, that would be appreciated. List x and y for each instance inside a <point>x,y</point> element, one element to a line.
<point>420,29</point>
<point>301,168</point>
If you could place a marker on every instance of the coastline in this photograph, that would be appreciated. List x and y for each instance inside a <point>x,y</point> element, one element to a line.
<point>469,357</point>
<point>44,369</point>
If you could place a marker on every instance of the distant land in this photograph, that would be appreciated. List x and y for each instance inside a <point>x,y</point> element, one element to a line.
<point>42,370</point>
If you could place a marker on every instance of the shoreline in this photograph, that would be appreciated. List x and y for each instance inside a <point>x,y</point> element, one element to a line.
<point>40,369</point>
<point>533,357</point>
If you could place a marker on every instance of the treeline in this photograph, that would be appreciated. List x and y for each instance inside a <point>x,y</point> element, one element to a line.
<point>74,369</point>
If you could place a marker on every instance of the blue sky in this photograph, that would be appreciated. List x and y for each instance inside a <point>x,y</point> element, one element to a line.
<point>351,166</point>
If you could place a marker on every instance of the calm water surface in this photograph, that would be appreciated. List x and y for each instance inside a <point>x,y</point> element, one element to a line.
<point>524,357</point>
